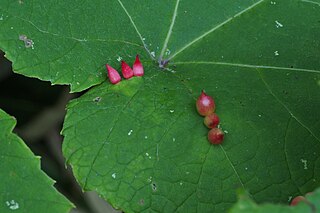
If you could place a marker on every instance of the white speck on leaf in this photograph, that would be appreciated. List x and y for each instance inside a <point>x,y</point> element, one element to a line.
<point>78,83</point>
<point>276,53</point>
<point>225,131</point>
<point>246,168</point>
<point>273,2</point>
<point>173,139</point>
<point>13,205</point>
<point>119,58</point>
<point>172,110</point>
<point>168,52</point>
<point>27,42</point>
<point>278,24</point>
<point>147,154</point>
<point>143,39</point>
<point>153,54</point>
<point>97,99</point>
<point>130,132</point>
<point>114,175</point>
<point>1,17</point>
<point>305,165</point>
<point>181,183</point>
<point>145,137</point>
<point>290,197</point>
<point>11,28</point>
<point>259,115</point>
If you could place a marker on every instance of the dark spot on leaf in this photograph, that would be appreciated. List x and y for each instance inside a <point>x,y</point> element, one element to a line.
<point>154,187</point>
<point>141,202</point>
<point>285,92</point>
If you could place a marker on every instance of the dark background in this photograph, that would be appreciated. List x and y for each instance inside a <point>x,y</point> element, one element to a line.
<point>39,109</point>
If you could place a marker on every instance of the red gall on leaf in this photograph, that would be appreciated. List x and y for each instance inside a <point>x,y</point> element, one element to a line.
<point>211,121</point>
<point>113,75</point>
<point>297,200</point>
<point>215,136</point>
<point>205,104</point>
<point>137,67</point>
<point>127,72</point>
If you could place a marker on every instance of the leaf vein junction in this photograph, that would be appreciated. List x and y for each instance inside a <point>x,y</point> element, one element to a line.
<point>289,111</point>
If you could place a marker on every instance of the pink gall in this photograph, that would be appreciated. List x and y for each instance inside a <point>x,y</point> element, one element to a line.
<point>127,72</point>
<point>113,75</point>
<point>215,136</point>
<point>211,121</point>
<point>205,104</point>
<point>137,67</point>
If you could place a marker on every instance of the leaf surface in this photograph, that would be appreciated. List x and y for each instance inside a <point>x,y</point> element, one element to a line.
<point>245,205</point>
<point>24,187</point>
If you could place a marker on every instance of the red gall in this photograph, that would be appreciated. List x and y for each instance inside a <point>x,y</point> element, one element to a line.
<point>113,75</point>
<point>211,121</point>
<point>137,67</point>
<point>127,72</point>
<point>215,136</point>
<point>205,104</point>
<point>297,200</point>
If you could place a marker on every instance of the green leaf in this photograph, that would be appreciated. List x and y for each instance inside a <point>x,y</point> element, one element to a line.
<point>24,187</point>
<point>140,144</point>
<point>246,205</point>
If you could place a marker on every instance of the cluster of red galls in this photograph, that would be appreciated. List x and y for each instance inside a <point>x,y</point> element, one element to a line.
<point>206,107</point>
<point>127,72</point>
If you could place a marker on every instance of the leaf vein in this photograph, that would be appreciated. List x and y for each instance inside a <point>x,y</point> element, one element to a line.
<point>312,2</point>
<point>248,66</point>
<point>135,27</point>
<point>105,142</point>
<point>286,153</point>
<point>214,29</point>
<point>287,108</point>
<point>234,169</point>
<point>170,30</point>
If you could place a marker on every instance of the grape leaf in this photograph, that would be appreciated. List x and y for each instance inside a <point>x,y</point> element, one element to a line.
<point>24,187</point>
<point>246,205</point>
<point>140,144</point>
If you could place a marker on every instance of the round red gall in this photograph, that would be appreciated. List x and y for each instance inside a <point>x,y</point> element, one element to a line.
<point>211,121</point>
<point>296,200</point>
<point>205,104</point>
<point>215,136</point>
